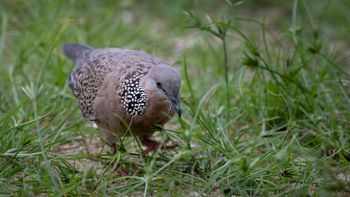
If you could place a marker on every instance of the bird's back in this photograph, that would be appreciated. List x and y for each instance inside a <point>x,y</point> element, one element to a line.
<point>94,65</point>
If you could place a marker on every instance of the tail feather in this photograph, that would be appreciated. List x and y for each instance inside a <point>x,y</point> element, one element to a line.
<point>74,51</point>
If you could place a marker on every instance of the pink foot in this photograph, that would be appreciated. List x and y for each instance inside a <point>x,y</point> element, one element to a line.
<point>113,148</point>
<point>123,172</point>
<point>152,145</point>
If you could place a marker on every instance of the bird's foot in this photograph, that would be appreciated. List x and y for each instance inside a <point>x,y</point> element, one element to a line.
<point>113,148</point>
<point>152,145</point>
<point>122,171</point>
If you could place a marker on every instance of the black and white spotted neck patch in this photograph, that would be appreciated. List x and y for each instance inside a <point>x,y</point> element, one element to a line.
<point>133,96</point>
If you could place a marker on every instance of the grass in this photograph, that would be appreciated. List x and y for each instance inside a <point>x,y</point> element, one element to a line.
<point>265,98</point>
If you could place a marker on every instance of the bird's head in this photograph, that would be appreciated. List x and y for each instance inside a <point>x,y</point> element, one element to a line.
<point>164,81</point>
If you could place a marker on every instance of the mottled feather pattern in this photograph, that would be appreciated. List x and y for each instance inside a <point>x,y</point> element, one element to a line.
<point>131,94</point>
<point>133,98</point>
<point>88,76</point>
<point>86,80</point>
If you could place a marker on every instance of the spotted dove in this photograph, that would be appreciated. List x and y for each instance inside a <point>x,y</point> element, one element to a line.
<point>123,91</point>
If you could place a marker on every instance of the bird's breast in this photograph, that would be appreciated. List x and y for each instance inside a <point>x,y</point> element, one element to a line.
<point>158,111</point>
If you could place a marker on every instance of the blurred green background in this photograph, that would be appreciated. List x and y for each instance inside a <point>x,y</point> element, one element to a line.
<point>284,129</point>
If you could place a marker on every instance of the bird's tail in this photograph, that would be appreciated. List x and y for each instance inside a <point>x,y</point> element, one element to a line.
<point>75,51</point>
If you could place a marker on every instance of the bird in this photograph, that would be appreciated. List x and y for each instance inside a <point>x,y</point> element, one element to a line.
<point>124,92</point>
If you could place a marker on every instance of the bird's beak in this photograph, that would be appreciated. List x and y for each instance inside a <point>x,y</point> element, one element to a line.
<point>176,104</point>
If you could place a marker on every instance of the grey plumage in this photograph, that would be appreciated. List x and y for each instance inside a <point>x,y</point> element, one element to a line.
<point>118,87</point>
<point>76,51</point>
<point>92,65</point>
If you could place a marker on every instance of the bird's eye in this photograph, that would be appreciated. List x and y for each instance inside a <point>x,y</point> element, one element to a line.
<point>159,85</point>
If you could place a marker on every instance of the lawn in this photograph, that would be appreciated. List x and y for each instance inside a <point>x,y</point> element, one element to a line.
<point>265,98</point>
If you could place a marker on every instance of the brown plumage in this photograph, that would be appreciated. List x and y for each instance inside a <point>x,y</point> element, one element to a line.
<point>123,91</point>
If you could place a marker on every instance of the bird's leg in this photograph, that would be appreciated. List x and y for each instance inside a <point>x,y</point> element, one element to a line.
<point>113,148</point>
<point>152,145</point>
<point>121,171</point>
<point>111,140</point>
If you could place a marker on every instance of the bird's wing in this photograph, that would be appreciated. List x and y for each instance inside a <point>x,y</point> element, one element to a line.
<point>87,78</point>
